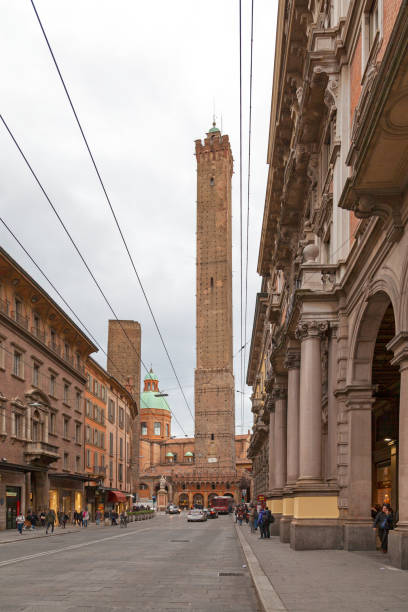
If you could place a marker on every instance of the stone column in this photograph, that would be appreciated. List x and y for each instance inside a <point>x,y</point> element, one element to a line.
<point>271,451</point>
<point>280,438</point>
<point>310,415</point>
<point>398,538</point>
<point>292,364</point>
<point>332,407</point>
<point>28,423</point>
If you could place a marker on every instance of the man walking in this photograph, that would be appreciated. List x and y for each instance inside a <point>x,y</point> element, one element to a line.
<point>20,520</point>
<point>50,520</point>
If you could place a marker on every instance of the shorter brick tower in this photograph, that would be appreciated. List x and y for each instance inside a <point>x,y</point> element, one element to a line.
<point>214,379</point>
<point>124,347</point>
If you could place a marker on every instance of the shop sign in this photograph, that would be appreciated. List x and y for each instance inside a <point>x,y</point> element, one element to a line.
<point>261,498</point>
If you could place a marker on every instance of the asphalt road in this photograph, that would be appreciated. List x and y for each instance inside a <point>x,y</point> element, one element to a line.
<point>161,564</point>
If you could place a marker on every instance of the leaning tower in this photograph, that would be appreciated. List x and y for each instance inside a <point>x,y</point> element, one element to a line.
<point>214,379</point>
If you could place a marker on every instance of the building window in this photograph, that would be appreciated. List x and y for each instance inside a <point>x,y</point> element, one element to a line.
<point>95,459</point>
<point>175,457</point>
<point>88,433</point>
<point>88,458</point>
<point>102,415</point>
<point>2,353</point>
<point>157,429</point>
<point>121,449</point>
<point>78,401</point>
<point>66,351</point>
<point>212,436</point>
<point>373,23</point>
<point>102,439</point>
<point>66,422</point>
<point>36,328</point>
<point>121,417</point>
<point>198,485</point>
<point>78,361</point>
<point>87,408</point>
<point>66,393</point>
<point>144,429</point>
<point>111,411</point>
<point>36,374</point>
<point>111,469</point>
<point>52,385</point>
<point>77,463</point>
<point>102,460</point>
<point>78,433</point>
<point>95,437</point>
<point>53,337</point>
<point>96,387</point>
<point>103,393</point>
<point>18,425</point>
<point>52,423</point>
<point>120,466</point>
<point>111,444</point>
<point>18,364</point>
<point>89,382</point>
<point>66,460</point>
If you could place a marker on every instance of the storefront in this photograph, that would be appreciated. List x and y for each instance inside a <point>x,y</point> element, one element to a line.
<point>13,506</point>
<point>66,493</point>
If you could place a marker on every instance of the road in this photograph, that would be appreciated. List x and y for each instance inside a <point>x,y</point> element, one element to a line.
<point>161,564</point>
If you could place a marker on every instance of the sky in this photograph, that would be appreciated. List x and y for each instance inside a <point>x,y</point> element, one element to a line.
<point>145,78</point>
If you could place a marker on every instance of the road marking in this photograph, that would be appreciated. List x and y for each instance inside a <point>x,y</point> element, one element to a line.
<point>72,547</point>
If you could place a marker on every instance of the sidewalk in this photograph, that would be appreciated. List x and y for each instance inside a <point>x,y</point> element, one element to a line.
<point>11,535</point>
<point>329,580</point>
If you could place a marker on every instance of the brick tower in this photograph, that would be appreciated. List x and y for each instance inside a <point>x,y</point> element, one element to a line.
<point>214,379</point>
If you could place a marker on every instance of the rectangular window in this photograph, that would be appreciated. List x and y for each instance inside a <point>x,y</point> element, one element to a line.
<point>111,411</point>
<point>88,433</point>
<point>52,385</point>
<point>88,408</point>
<point>18,424</point>
<point>78,361</point>
<point>2,353</point>
<point>102,440</point>
<point>144,429</point>
<point>77,463</point>
<point>96,387</point>
<point>18,364</point>
<point>66,351</point>
<point>102,460</point>
<point>66,460</point>
<point>95,459</point>
<point>111,444</point>
<point>95,412</point>
<point>167,430</point>
<point>111,469</point>
<point>102,416</point>
<point>95,437</point>
<point>65,430</point>
<point>103,393</point>
<point>78,401</point>
<point>89,382</point>
<point>66,393</point>
<point>78,433</point>
<point>157,429</point>
<point>121,448</point>
<point>36,321</point>
<point>120,466</point>
<point>52,423</point>
<point>88,458</point>
<point>36,374</point>
<point>175,457</point>
<point>121,417</point>
<point>374,23</point>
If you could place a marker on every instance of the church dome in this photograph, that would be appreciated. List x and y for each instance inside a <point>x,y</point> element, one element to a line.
<point>148,397</point>
<point>213,129</point>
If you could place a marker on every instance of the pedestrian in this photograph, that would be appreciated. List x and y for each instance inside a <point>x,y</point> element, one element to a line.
<point>85,518</point>
<point>123,519</point>
<point>29,520</point>
<point>42,518</point>
<point>384,522</point>
<point>260,524</point>
<point>98,515</point>
<point>269,520</point>
<point>20,520</point>
<point>240,515</point>
<point>255,519</point>
<point>252,519</point>
<point>50,520</point>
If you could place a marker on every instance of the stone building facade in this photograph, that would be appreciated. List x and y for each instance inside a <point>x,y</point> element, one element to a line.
<point>42,384</point>
<point>328,362</point>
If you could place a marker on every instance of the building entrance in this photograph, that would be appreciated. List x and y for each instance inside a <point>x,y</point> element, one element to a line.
<point>386,385</point>
<point>13,506</point>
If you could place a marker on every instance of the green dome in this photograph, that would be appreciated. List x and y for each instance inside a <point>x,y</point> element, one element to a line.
<point>151,376</point>
<point>169,454</point>
<point>213,129</point>
<point>188,454</point>
<point>148,399</point>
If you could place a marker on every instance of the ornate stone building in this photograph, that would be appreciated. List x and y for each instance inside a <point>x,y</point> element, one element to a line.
<point>329,354</point>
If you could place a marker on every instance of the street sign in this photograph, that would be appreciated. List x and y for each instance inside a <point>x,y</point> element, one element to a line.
<point>261,498</point>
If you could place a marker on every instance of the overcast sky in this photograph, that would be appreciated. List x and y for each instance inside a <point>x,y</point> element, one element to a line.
<point>143,77</point>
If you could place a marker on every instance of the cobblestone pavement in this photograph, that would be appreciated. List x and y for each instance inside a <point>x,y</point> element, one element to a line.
<point>161,564</point>
<point>330,580</point>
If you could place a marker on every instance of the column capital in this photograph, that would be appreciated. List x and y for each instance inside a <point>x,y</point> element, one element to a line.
<point>292,360</point>
<point>311,329</point>
<point>399,346</point>
<point>279,392</point>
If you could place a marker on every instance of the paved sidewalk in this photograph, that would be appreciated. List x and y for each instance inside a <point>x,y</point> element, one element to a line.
<point>330,580</point>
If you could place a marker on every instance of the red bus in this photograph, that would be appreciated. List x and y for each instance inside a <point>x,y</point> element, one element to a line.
<point>222,503</point>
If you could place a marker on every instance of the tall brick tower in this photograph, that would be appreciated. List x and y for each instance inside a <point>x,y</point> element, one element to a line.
<point>214,379</point>
<point>124,365</point>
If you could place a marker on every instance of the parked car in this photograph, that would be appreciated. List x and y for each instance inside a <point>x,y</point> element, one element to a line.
<point>212,513</point>
<point>196,516</point>
<point>171,509</point>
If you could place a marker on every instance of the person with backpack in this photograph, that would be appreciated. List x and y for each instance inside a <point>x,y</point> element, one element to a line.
<point>384,522</point>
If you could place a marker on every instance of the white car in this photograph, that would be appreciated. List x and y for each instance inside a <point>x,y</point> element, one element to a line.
<point>196,516</point>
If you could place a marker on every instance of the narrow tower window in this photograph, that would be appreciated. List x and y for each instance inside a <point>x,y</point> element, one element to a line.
<point>212,282</point>
<point>212,181</point>
<point>212,436</point>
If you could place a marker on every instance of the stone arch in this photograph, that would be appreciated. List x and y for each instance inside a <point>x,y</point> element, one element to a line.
<point>364,335</point>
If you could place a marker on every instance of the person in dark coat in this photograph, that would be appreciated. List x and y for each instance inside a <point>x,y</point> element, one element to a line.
<point>384,522</point>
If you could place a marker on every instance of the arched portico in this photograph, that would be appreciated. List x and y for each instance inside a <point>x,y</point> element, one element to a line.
<point>372,409</point>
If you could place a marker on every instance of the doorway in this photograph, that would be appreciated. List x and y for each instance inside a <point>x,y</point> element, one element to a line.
<point>13,506</point>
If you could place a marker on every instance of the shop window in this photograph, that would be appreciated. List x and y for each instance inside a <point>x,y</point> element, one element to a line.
<point>157,429</point>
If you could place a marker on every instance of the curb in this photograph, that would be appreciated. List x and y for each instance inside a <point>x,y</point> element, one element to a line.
<point>268,597</point>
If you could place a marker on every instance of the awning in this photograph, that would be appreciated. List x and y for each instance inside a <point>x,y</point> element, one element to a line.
<point>117,496</point>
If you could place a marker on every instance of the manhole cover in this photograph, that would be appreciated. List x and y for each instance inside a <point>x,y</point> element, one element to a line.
<point>230,574</point>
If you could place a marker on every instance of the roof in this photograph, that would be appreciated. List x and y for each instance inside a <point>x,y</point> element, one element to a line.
<point>213,129</point>
<point>169,454</point>
<point>149,399</point>
<point>151,376</point>
<point>188,454</point>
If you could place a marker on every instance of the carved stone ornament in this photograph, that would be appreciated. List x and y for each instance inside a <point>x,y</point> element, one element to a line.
<point>163,482</point>
<point>385,206</point>
<point>331,92</point>
<point>279,393</point>
<point>292,361</point>
<point>311,329</point>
